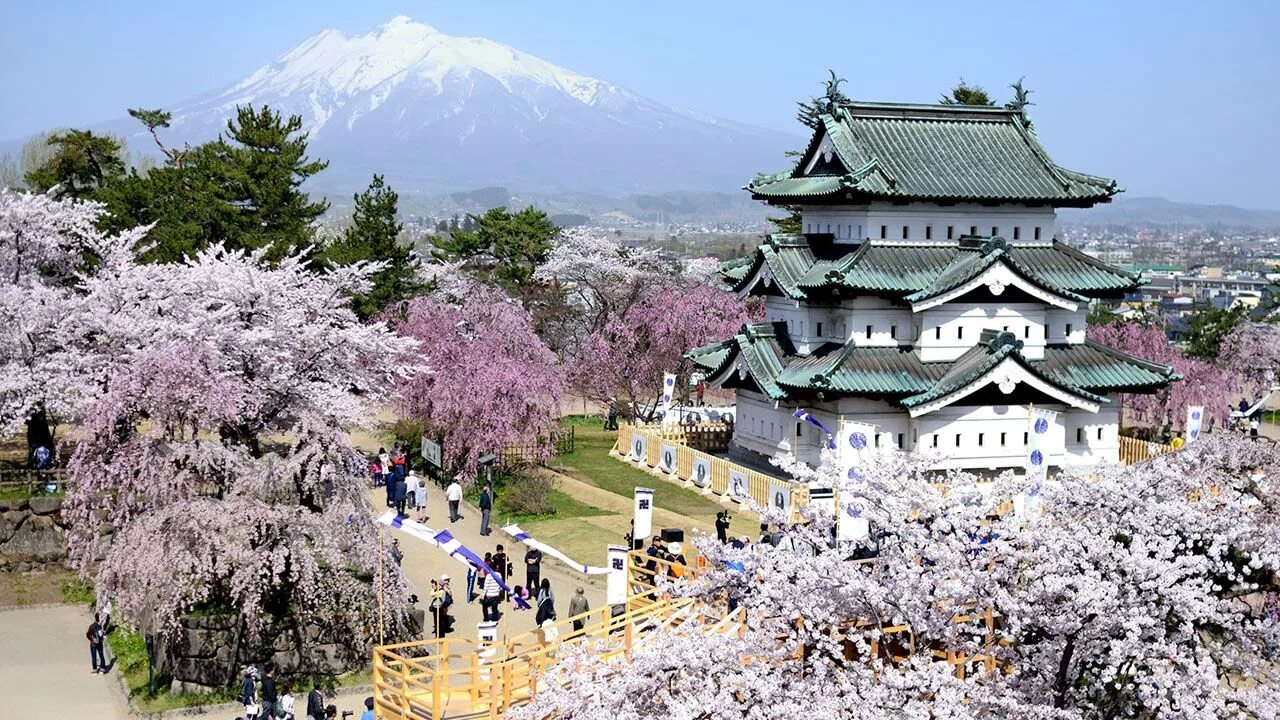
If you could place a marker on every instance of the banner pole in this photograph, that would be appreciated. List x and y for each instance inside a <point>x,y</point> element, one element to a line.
<point>382,640</point>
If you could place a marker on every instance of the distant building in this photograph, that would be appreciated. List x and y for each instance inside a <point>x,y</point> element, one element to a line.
<point>927,295</point>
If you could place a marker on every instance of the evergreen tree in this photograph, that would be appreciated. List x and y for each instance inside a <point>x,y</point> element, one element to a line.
<point>966,94</point>
<point>1207,328</point>
<point>809,112</point>
<point>505,247</point>
<point>789,224</point>
<point>80,164</point>
<point>373,236</point>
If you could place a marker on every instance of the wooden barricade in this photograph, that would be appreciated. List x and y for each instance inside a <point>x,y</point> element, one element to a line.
<point>1133,450</point>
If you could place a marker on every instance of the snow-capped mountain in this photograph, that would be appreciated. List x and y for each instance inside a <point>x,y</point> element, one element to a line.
<point>433,111</point>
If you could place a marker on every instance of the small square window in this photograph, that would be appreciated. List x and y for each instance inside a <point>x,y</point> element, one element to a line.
<point>1017,233</point>
<point>1079,435</point>
<point>994,231</point>
<point>973,229</point>
<point>877,439</point>
<point>1025,438</point>
<point>981,439</point>
<point>935,439</point>
<point>928,232</point>
<point>828,228</point>
<point>1004,438</point>
<point>937,333</point>
<point>1037,234</point>
<point>906,232</point>
<point>957,439</point>
<point>1026,331</point>
<point>884,231</point>
<point>893,331</point>
<point>1099,433</point>
<point>1068,329</point>
<point>960,333</point>
<point>868,332</point>
<point>799,434</point>
<point>819,332</point>
<point>899,441</point>
<point>1006,328</point>
<point>1046,331</point>
<point>951,232</point>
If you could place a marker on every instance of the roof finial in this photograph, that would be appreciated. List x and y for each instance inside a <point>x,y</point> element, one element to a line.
<point>833,95</point>
<point>1020,99</point>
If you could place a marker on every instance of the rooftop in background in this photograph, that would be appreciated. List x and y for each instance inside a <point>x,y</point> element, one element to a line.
<point>951,153</point>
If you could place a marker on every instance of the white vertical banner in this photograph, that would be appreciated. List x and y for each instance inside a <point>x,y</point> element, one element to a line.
<point>616,586</point>
<point>668,393</point>
<point>643,514</point>
<point>1038,454</point>
<point>856,445</point>
<point>487,632</point>
<point>1195,419</point>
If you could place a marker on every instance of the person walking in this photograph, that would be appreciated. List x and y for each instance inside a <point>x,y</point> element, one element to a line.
<point>411,491</point>
<point>532,567</point>
<point>315,703</point>
<point>546,603</point>
<point>95,637</point>
<point>284,707</point>
<point>420,496</point>
<point>249,693</point>
<point>269,693</point>
<point>384,461</point>
<point>402,486</point>
<point>486,507</point>
<point>453,494</point>
<point>501,565</point>
<point>578,606</point>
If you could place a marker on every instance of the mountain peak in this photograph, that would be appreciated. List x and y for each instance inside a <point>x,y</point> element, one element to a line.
<point>404,22</point>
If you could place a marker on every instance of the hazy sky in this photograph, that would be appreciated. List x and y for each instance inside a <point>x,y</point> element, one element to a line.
<point>1180,99</point>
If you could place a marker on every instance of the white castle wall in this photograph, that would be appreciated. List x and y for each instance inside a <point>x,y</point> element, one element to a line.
<point>929,221</point>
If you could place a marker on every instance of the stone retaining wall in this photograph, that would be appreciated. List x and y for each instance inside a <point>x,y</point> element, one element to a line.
<point>200,655</point>
<point>32,533</point>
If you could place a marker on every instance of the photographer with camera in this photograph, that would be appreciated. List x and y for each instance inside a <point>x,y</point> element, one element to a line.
<point>722,526</point>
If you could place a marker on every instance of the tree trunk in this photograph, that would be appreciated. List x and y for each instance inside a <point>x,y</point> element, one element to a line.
<point>38,433</point>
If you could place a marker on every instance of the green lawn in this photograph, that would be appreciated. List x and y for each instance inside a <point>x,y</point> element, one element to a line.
<point>590,462</point>
<point>566,507</point>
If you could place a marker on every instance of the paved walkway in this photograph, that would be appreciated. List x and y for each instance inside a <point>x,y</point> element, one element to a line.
<point>44,667</point>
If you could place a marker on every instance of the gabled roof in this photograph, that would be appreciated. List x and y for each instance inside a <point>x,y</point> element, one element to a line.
<point>809,266</point>
<point>762,350</point>
<point>888,151</point>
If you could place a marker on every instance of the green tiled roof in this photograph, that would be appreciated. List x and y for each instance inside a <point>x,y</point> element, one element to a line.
<point>897,374</point>
<point>810,266</point>
<point>930,152</point>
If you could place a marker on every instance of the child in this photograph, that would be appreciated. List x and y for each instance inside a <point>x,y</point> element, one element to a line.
<point>521,592</point>
<point>375,469</point>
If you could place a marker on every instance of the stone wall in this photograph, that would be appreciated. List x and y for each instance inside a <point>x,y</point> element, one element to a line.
<point>32,533</point>
<point>199,657</point>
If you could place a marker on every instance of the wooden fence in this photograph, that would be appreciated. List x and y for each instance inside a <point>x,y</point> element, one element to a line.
<point>666,456</point>
<point>1133,450</point>
<point>33,482</point>
<point>539,452</point>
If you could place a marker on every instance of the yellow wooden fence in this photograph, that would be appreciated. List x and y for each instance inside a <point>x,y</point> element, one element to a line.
<point>701,470</point>
<point>1133,450</point>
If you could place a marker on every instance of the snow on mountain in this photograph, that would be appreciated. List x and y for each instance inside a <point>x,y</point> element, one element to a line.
<point>433,111</point>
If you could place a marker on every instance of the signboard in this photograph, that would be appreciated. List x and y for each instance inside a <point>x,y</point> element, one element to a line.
<point>780,498</point>
<point>739,491</point>
<point>701,473</point>
<point>1195,419</point>
<point>431,451</point>
<point>616,590</point>
<point>667,460</point>
<point>643,514</point>
<point>639,447</point>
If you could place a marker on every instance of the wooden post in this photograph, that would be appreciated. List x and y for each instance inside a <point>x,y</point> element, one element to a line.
<point>382,639</point>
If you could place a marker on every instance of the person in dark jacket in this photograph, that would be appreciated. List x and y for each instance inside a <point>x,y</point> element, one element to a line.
<point>96,636</point>
<point>532,567</point>
<point>269,693</point>
<point>249,691</point>
<point>722,526</point>
<point>546,603</point>
<point>315,703</point>
<point>486,507</point>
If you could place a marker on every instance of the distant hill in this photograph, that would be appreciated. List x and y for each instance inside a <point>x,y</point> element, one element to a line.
<point>1159,212</point>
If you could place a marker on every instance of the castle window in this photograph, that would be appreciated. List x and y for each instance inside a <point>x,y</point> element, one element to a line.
<point>935,439</point>
<point>957,439</point>
<point>828,228</point>
<point>819,332</point>
<point>951,232</point>
<point>1025,438</point>
<point>798,433</point>
<point>868,332</point>
<point>1068,329</point>
<point>899,441</point>
<point>973,229</point>
<point>1037,235</point>
<point>893,331</point>
<point>928,232</point>
<point>906,232</point>
<point>937,333</point>
<point>1004,437</point>
<point>994,231</point>
<point>884,231</point>
<point>1046,331</point>
<point>1017,232</point>
<point>960,333</point>
<point>1099,433</point>
<point>1079,435</point>
<point>981,439</point>
<point>877,439</point>
<point>1026,332</point>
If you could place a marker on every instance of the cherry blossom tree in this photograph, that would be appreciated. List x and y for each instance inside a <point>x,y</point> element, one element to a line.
<point>48,249</point>
<point>1134,593</point>
<point>1251,353</point>
<point>1202,383</point>
<point>219,450</point>
<point>494,383</point>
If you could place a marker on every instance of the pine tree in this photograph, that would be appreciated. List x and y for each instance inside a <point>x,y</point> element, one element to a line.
<point>966,94</point>
<point>374,236</point>
<point>504,247</point>
<point>80,164</point>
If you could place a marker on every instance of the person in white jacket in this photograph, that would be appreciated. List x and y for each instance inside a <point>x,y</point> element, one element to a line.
<point>453,494</point>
